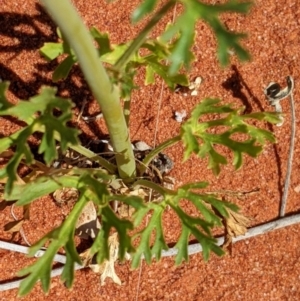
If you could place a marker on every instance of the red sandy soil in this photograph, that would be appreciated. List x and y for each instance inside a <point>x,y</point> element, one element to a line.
<point>262,268</point>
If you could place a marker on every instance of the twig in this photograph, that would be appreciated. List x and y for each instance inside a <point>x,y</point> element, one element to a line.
<point>234,193</point>
<point>81,110</point>
<point>290,158</point>
<point>275,95</point>
<point>22,233</point>
<point>138,283</point>
<point>92,118</point>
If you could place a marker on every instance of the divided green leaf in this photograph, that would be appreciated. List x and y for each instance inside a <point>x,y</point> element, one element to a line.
<point>154,226</point>
<point>201,137</point>
<point>145,8</point>
<point>151,241</point>
<point>59,237</point>
<point>39,114</point>
<point>185,27</point>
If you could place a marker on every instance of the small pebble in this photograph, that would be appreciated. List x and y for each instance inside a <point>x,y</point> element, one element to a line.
<point>142,146</point>
<point>297,189</point>
<point>179,116</point>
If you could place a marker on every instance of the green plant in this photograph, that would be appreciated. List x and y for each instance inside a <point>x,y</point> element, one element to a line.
<point>109,82</point>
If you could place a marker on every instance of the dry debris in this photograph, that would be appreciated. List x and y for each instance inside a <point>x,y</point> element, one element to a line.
<point>107,268</point>
<point>66,196</point>
<point>88,224</point>
<point>192,89</point>
<point>235,224</point>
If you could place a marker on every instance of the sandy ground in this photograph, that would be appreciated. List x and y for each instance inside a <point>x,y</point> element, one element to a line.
<point>262,268</point>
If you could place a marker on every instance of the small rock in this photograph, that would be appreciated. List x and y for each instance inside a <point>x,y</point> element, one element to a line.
<point>142,146</point>
<point>179,116</point>
<point>196,83</point>
<point>107,146</point>
<point>297,189</point>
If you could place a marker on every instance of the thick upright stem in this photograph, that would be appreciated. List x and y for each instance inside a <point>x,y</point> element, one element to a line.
<point>107,95</point>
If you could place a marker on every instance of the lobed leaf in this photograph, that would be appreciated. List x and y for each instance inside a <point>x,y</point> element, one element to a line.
<point>155,66</point>
<point>155,62</point>
<point>63,236</point>
<point>198,139</point>
<point>22,150</point>
<point>109,221</point>
<point>102,40</point>
<point>185,27</point>
<point>45,184</point>
<point>181,53</point>
<point>205,211</point>
<point>146,7</point>
<point>4,103</point>
<point>191,224</point>
<point>182,246</point>
<point>199,226</point>
<point>45,103</point>
<point>154,226</point>
<point>27,193</point>
<point>63,69</point>
<point>51,51</point>
<point>100,246</point>
<point>98,192</point>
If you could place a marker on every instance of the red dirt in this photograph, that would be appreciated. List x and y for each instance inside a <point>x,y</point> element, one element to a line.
<point>261,268</point>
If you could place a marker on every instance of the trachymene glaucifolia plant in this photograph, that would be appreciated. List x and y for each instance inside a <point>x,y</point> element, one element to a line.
<point>120,179</point>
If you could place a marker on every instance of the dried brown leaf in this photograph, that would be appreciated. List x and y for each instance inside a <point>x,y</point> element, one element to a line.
<point>236,224</point>
<point>109,265</point>
<point>227,245</point>
<point>7,154</point>
<point>107,268</point>
<point>5,204</point>
<point>14,226</point>
<point>26,212</point>
<point>86,257</point>
<point>88,224</point>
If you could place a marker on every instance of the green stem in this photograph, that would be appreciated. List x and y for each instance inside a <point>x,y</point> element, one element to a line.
<point>105,93</point>
<point>139,40</point>
<point>111,168</point>
<point>161,190</point>
<point>156,151</point>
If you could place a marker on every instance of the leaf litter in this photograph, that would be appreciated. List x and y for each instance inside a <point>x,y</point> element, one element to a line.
<point>107,268</point>
<point>235,224</point>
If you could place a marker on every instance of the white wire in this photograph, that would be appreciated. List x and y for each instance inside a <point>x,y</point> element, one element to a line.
<point>16,283</point>
<point>192,249</point>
